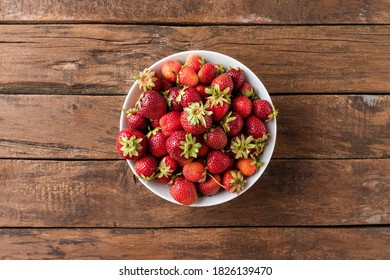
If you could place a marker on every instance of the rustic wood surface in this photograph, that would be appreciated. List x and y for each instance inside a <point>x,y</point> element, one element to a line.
<point>66,67</point>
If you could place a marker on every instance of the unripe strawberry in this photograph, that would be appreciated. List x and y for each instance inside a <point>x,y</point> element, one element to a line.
<point>170,69</point>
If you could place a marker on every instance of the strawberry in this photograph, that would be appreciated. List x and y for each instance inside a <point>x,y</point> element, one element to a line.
<point>166,169</point>
<point>183,191</point>
<point>151,104</point>
<point>188,95</point>
<point>154,123</point>
<point>157,142</point>
<point>194,61</point>
<point>194,171</point>
<point>203,149</point>
<point>238,77</point>
<point>241,146</point>
<point>224,82</point>
<point>233,181</point>
<point>218,102</point>
<point>255,127</point>
<point>170,69</point>
<point>201,88</point>
<point>170,122</point>
<point>146,168</point>
<point>172,101</point>
<point>149,80</point>
<point>216,138</point>
<point>211,185</point>
<point>196,118</point>
<point>135,120</point>
<point>187,77</point>
<point>242,105</point>
<point>182,146</point>
<point>248,166</point>
<point>166,85</point>
<point>219,68</point>
<point>247,90</point>
<point>217,161</point>
<point>232,123</point>
<point>207,73</point>
<point>131,144</point>
<point>263,110</point>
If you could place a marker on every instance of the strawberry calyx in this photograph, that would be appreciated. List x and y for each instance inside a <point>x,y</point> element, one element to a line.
<point>146,79</point>
<point>226,120</point>
<point>130,111</point>
<point>217,97</point>
<point>242,146</point>
<point>148,178</point>
<point>274,113</point>
<point>260,144</point>
<point>256,162</point>
<point>237,182</point>
<point>130,147</point>
<point>189,147</point>
<point>195,113</point>
<point>153,131</point>
<point>219,69</point>
<point>164,170</point>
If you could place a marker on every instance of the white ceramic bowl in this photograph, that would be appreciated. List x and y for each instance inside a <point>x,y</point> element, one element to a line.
<point>213,57</point>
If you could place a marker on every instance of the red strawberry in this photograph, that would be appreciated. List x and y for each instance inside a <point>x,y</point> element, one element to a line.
<point>232,123</point>
<point>207,73</point>
<point>247,90</point>
<point>188,95</point>
<point>165,85</point>
<point>170,122</point>
<point>196,118</point>
<point>182,146</point>
<point>187,77</point>
<point>154,123</point>
<point>170,69</point>
<point>218,102</point>
<point>233,181</point>
<point>149,80</point>
<point>216,138</point>
<point>201,88</point>
<point>204,149</point>
<point>194,171</point>
<point>173,103</point>
<point>255,127</point>
<point>131,143</point>
<point>146,168</point>
<point>217,161</point>
<point>194,61</point>
<point>238,77</point>
<point>135,120</point>
<point>224,82</point>
<point>151,104</point>
<point>183,191</point>
<point>166,168</point>
<point>263,110</point>
<point>211,186</point>
<point>248,166</point>
<point>242,105</point>
<point>156,142</point>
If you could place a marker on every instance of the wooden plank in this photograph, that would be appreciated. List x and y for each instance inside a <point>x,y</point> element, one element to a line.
<point>98,59</point>
<point>316,126</point>
<point>199,12</point>
<point>104,194</point>
<point>202,243</point>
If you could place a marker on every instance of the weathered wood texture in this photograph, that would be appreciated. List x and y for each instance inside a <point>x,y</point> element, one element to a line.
<point>208,243</point>
<point>104,194</point>
<point>98,59</point>
<point>315,126</point>
<point>198,12</point>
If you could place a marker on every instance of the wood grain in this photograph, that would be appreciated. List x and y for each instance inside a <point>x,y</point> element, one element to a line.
<point>104,194</point>
<point>99,59</point>
<point>198,12</point>
<point>85,127</point>
<point>203,243</point>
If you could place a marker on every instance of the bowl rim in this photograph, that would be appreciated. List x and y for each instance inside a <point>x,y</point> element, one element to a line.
<point>271,141</point>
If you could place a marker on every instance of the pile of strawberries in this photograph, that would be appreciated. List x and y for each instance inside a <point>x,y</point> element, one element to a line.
<point>197,127</point>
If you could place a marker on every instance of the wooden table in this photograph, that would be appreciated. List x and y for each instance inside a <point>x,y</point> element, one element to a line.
<point>66,194</point>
